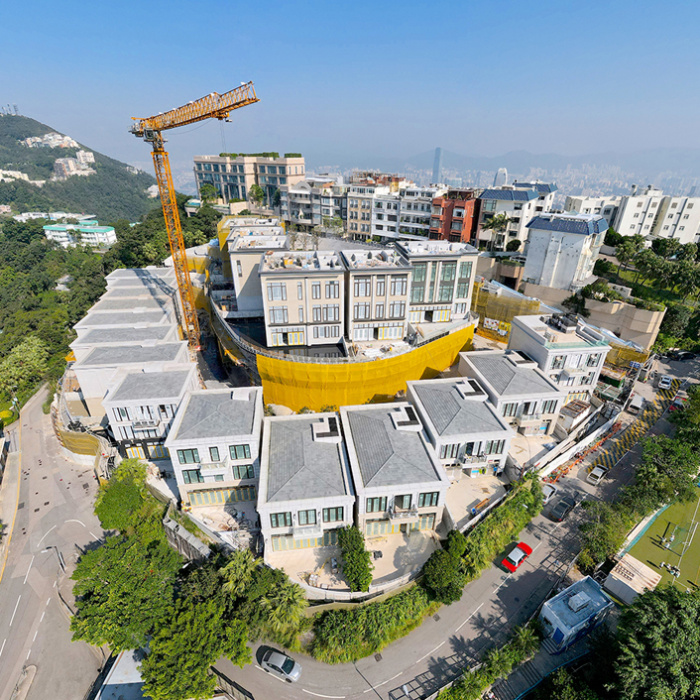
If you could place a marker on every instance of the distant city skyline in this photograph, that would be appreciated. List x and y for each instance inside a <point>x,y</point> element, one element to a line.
<point>361,82</point>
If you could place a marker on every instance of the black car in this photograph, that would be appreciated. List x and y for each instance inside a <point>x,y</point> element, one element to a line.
<point>681,355</point>
<point>562,508</point>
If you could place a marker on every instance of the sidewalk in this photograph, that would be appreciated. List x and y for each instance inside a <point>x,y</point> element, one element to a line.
<point>9,500</point>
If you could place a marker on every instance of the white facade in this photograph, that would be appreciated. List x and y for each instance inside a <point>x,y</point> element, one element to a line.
<point>311,201</point>
<point>570,353</point>
<point>562,249</point>
<point>605,206</point>
<point>520,206</point>
<point>69,235</point>
<point>651,213</point>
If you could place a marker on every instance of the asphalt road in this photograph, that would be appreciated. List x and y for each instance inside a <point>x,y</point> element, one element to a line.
<point>54,515</point>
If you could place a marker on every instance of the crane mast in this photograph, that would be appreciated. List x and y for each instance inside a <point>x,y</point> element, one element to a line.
<point>149,129</point>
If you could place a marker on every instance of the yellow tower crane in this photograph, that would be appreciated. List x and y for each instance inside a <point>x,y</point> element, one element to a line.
<point>150,130</point>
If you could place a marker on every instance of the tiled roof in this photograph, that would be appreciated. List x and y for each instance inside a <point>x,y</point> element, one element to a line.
<point>585,224</point>
<point>131,354</point>
<point>150,385</point>
<point>100,336</point>
<point>215,414</point>
<point>510,195</point>
<point>541,187</point>
<point>509,380</point>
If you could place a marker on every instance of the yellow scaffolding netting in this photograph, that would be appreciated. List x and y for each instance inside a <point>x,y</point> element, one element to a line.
<point>621,355</point>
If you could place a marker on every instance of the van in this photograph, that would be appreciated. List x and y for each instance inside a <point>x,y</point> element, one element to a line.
<point>636,405</point>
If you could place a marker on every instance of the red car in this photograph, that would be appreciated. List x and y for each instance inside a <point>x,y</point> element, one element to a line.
<point>521,552</point>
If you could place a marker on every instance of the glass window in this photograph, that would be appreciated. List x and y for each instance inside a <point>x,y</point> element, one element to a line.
<point>300,290</point>
<point>316,290</point>
<point>448,272</point>
<point>403,502</point>
<point>276,291</point>
<point>307,517</point>
<point>376,505</point>
<point>279,314</point>
<point>332,515</point>
<point>281,519</point>
<point>214,454</point>
<point>449,451</point>
<point>592,360</point>
<point>192,476</point>
<point>243,471</point>
<point>558,362</point>
<point>510,409</point>
<point>188,456</point>
<point>239,451</point>
<point>381,286</point>
<point>398,285</point>
<point>427,500</point>
<point>419,272</point>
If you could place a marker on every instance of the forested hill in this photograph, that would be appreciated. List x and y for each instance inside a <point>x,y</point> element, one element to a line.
<point>113,192</point>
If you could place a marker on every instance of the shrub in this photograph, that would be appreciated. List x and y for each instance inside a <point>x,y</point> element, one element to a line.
<point>513,245</point>
<point>612,237</point>
<point>603,267</point>
<point>443,576</point>
<point>357,567</point>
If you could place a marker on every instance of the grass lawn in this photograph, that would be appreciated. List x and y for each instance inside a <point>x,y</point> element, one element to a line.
<point>681,518</point>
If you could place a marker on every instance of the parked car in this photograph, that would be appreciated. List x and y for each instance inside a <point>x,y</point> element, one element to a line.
<point>562,508</point>
<point>548,491</point>
<point>678,401</point>
<point>666,382</point>
<point>519,554</point>
<point>596,476</point>
<point>281,665</point>
<point>682,355</point>
<point>636,404</point>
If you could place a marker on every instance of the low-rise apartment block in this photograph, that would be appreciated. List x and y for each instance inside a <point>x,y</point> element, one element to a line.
<point>454,216</point>
<point>306,491</point>
<point>377,294</point>
<point>521,393</point>
<point>234,174</point>
<point>214,445</point>
<point>465,430</point>
<point>605,206</point>
<point>563,248</point>
<point>71,235</point>
<point>310,202</point>
<point>399,482</point>
<point>570,352</point>
<point>141,407</point>
<point>442,278</point>
<point>303,297</point>
<point>110,337</point>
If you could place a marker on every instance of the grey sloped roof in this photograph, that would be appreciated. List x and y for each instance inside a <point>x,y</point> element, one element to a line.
<point>99,336</point>
<point>451,414</point>
<point>387,456</point>
<point>585,224</point>
<point>135,291</point>
<point>151,385</point>
<point>509,380</point>
<point>509,195</point>
<point>131,354</point>
<point>216,414</point>
<point>300,467</point>
<point>125,317</point>
<point>141,302</point>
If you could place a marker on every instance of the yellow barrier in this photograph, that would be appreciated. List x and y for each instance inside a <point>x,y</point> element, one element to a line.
<point>79,443</point>
<point>315,386</point>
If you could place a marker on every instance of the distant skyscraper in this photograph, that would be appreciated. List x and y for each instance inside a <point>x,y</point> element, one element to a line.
<point>501,178</point>
<point>437,166</point>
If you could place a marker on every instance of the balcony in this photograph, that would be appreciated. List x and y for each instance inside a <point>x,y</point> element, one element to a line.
<point>529,419</point>
<point>474,459</point>
<point>403,514</point>
<point>220,464</point>
<point>307,532</point>
<point>146,424</point>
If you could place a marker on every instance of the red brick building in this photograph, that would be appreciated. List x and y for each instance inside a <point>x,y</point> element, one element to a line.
<point>454,216</point>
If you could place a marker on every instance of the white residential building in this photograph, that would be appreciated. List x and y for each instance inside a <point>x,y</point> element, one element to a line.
<point>463,427</point>
<point>569,352</point>
<point>306,491</point>
<point>521,393</point>
<point>311,201</point>
<point>605,206</point>
<point>563,249</point>
<point>651,213</point>
<point>70,235</point>
<point>214,446</point>
<point>399,482</point>
<point>442,279</point>
<point>519,205</point>
<point>377,284</point>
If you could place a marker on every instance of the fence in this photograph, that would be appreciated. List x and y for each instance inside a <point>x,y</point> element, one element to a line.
<point>225,685</point>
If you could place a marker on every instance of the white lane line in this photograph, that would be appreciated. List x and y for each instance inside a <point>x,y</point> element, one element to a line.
<point>505,580</point>
<point>3,646</point>
<point>318,695</point>
<point>46,533</point>
<point>469,618</point>
<point>270,674</point>
<point>388,680</point>
<point>29,569</point>
<point>47,602</point>
<point>431,652</point>
<point>94,535</point>
<point>77,521</point>
<point>41,619</point>
<point>34,637</point>
<point>28,653</point>
<point>15,612</point>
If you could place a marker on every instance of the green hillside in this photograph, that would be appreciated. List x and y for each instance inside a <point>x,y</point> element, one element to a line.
<point>113,192</point>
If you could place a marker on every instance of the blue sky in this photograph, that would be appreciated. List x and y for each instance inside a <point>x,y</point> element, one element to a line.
<point>348,80</point>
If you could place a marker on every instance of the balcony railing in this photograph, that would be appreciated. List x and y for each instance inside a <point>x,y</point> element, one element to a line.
<point>219,464</point>
<point>403,513</point>
<point>474,459</point>
<point>144,424</point>
<point>307,532</point>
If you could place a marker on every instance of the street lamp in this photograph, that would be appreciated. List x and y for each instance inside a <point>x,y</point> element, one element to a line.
<point>59,556</point>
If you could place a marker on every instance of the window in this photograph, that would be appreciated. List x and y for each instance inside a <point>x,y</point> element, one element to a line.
<point>510,410</point>
<point>428,500</point>
<point>301,314</point>
<point>381,286</point>
<point>592,360</point>
<point>306,517</point>
<point>316,290</point>
<point>188,456</point>
<point>403,502</point>
<point>276,291</point>
<point>558,362</point>
<point>376,505</point>
<point>214,454</point>
<point>448,272</point>
<point>419,272</point>
<point>192,476</point>
<point>122,413</point>
<point>243,471</point>
<point>462,290</point>
<point>362,312</point>
<point>218,477</point>
<point>332,515</point>
<point>449,451</point>
<point>549,406</point>
<point>417,293</point>
<point>281,519</point>
<point>331,312</point>
<point>399,285</point>
<point>465,270</point>
<point>239,268</point>
<point>494,447</point>
<point>332,290</point>
<point>239,451</point>
<point>397,309</point>
<point>445,291</point>
<point>363,286</point>
<point>279,314</point>
<point>300,290</point>
<point>379,311</point>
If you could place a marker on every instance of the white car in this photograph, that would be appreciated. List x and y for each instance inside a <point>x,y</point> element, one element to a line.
<point>596,476</point>
<point>548,491</point>
<point>665,382</point>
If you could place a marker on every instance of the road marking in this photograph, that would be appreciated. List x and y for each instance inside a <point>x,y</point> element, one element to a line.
<point>28,653</point>
<point>502,582</point>
<point>77,521</point>
<point>94,535</point>
<point>46,533</point>
<point>35,634</point>
<point>54,584</point>
<point>41,619</point>
<point>431,652</point>
<point>469,618</point>
<point>47,602</point>
<point>3,646</point>
<point>281,680</point>
<point>388,680</point>
<point>15,612</point>
<point>29,569</point>
<point>318,695</point>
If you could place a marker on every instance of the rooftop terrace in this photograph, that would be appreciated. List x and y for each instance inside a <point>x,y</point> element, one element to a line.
<point>302,261</point>
<point>561,331</point>
<point>256,243</point>
<point>371,259</point>
<point>436,248</point>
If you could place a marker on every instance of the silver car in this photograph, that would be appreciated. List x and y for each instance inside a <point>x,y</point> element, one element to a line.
<point>281,665</point>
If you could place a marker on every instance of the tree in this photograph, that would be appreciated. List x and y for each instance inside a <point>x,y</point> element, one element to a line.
<point>121,499</point>
<point>123,590</point>
<point>689,251</point>
<point>25,366</point>
<point>676,320</point>
<point>562,686</point>
<point>625,253</point>
<point>208,192</point>
<point>276,198</point>
<point>443,576</point>
<point>612,237</point>
<point>256,194</point>
<point>602,533</point>
<point>181,651</point>
<point>658,652</point>
<point>357,567</point>
<point>646,261</point>
<point>284,607</point>
<point>238,572</point>
<point>687,278</point>
<point>513,245</point>
<point>497,224</point>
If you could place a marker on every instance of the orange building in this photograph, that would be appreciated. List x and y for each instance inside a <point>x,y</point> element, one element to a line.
<point>454,216</point>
